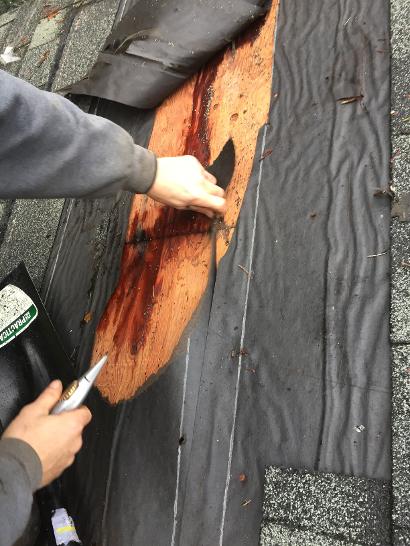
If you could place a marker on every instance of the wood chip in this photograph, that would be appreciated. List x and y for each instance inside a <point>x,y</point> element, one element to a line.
<point>87,317</point>
<point>349,100</point>
<point>265,154</point>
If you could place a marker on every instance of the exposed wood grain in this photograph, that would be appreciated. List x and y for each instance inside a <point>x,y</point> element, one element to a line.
<point>167,255</point>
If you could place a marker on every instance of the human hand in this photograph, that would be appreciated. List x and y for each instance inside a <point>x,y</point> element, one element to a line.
<point>182,183</point>
<point>55,438</point>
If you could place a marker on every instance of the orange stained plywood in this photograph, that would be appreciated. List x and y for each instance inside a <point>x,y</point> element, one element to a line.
<point>167,255</point>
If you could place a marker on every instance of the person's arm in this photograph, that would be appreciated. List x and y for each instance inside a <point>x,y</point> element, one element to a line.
<point>33,452</point>
<point>20,476</point>
<point>51,148</point>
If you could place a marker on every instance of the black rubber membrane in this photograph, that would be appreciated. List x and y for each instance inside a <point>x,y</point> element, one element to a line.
<point>156,45</point>
<point>286,366</point>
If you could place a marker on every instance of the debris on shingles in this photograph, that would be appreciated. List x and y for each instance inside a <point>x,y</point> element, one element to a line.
<point>330,509</point>
<point>43,57</point>
<point>50,12</point>
<point>8,56</point>
<point>405,264</point>
<point>242,477</point>
<point>246,502</point>
<point>401,208</point>
<point>349,100</point>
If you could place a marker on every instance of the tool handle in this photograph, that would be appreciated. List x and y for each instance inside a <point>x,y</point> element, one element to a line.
<point>71,398</point>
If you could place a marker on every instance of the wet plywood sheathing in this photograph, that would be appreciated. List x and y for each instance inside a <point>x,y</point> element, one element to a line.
<point>167,254</point>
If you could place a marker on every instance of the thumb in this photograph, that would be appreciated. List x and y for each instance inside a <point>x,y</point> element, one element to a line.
<point>49,397</point>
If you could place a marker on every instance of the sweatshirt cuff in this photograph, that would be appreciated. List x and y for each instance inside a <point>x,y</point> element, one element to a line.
<point>144,170</point>
<point>26,456</point>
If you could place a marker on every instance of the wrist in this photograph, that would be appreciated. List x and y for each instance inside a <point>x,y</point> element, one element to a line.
<point>26,456</point>
<point>144,170</point>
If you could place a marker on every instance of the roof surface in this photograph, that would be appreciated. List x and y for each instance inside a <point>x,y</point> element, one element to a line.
<point>56,47</point>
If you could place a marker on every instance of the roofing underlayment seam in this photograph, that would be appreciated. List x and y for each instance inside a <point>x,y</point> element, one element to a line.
<point>238,377</point>
<point>181,430</point>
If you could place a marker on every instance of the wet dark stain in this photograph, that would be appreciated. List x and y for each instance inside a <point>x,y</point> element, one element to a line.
<point>131,305</point>
<point>172,222</point>
<point>197,141</point>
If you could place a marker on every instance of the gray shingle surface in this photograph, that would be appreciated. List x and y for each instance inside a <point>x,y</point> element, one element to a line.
<point>278,535</point>
<point>401,441</point>
<point>400,282</point>
<point>83,46</point>
<point>331,508</point>
<point>29,236</point>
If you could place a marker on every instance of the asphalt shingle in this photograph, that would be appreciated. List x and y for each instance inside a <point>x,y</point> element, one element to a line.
<point>330,508</point>
<point>82,46</point>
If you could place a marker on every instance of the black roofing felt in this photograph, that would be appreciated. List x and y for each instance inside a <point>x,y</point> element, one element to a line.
<point>400,304</point>
<point>313,316</point>
<point>155,46</point>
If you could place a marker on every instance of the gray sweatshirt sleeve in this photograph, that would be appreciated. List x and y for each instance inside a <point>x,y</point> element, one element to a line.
<point>20,476</point>
<point>51,148</point>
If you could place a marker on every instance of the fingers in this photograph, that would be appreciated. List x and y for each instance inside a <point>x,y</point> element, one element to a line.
<point>209,177</point>
<point>207,212</point>
<point>215,190</point>
<point>212,202</point>
<point>77,419</point>
<point>48,398</point>
<point>84,415</point>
